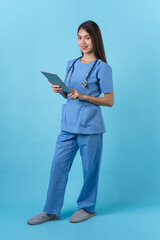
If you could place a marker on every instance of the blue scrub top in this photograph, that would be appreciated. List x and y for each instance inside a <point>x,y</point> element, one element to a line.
<point>80,116</point>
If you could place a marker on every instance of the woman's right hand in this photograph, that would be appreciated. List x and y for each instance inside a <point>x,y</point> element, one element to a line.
<point>56,89</point>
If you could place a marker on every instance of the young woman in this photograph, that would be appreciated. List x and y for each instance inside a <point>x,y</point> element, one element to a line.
<point>82,126</point>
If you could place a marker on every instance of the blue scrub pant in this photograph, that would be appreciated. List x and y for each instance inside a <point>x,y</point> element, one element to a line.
<point>67,145</point>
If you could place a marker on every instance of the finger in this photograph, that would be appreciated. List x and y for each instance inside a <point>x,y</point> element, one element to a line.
<point>71,96</point>
<point>74,96</point>
<point>72,89</point>
<point>57,88</point>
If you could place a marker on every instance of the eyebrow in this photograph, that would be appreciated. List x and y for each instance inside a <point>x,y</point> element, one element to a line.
<point>84,36</point>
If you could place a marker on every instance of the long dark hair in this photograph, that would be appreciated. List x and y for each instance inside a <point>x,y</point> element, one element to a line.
<point>94,31</point>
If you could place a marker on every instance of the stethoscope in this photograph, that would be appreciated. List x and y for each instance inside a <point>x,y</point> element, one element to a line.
<point>84,83</point>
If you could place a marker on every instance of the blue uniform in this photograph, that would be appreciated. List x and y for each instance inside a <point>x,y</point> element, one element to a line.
<point>87,116</point>
<point>82,127</point>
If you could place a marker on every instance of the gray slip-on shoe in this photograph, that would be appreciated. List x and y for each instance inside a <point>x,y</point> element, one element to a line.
<point>81,215</point>
<point>42,218</point>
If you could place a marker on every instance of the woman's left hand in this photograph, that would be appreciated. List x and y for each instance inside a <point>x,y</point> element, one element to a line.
<point>75,94</point>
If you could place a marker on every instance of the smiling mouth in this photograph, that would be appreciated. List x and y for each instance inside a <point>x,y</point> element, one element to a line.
<point>84,47</point>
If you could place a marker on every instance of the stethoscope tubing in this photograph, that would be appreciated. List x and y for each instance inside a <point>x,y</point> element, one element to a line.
<point>84,83</point>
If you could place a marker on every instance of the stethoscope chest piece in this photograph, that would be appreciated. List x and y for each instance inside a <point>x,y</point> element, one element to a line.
<point>84,83</point>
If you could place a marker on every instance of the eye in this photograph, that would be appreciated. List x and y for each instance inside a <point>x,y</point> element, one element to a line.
<point>79,38</point>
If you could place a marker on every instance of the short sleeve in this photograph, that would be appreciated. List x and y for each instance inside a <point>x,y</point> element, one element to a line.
<point>69,64</point>
<point>105,78</point>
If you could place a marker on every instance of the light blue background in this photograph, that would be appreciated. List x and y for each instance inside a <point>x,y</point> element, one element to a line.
<point>42,35</point>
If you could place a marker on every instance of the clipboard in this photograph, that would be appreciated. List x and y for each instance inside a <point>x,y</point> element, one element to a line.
<point>54,79</point>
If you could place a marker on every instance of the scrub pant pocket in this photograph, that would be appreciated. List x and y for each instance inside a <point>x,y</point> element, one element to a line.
<point>67,145</point>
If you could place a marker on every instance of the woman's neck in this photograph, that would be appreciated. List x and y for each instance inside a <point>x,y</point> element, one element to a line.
<point>88,57</point>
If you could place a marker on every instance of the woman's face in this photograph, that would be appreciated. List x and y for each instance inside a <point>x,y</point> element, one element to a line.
<point>85,41</point>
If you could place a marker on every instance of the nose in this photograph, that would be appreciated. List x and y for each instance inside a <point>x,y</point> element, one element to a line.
<point>83,41</point>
